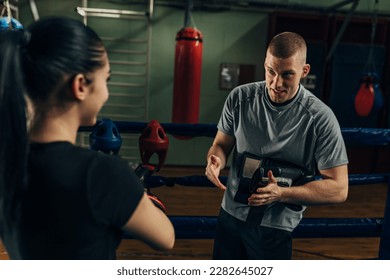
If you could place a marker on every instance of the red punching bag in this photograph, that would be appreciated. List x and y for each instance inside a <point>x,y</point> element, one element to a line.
<point>187,76</point>
<point>365,97</point>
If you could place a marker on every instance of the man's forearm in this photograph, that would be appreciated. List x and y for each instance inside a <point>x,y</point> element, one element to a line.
<point>219,152</point>
<point>317,192</point>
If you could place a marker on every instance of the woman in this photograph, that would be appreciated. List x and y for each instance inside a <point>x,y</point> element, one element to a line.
<point>57,200</point>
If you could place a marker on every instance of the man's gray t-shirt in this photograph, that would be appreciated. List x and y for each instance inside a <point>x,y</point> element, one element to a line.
<point>304,132</point>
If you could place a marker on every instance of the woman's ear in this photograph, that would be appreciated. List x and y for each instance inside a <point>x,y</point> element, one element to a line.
<point>79,87</point>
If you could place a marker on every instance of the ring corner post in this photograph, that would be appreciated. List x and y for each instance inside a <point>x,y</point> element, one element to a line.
<point>384,246</point>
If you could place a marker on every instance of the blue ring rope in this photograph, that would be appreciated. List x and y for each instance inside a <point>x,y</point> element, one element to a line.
<point>352,136</point>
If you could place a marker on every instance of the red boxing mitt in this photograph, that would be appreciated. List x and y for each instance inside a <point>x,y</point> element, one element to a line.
<point>156,201</point>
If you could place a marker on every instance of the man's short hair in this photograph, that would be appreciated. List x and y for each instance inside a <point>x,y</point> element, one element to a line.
<point>286,44</point>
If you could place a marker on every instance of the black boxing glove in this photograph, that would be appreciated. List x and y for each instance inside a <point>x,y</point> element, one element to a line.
<point>143,171</point>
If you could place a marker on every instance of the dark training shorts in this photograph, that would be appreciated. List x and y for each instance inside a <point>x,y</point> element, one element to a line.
<point>239,240</point>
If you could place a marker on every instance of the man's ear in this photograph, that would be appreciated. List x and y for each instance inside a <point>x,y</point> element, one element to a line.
<point>79,87</point>
<point>306,70</point>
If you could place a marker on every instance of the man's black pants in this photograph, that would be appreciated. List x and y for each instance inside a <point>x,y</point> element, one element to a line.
<point>239,240</point>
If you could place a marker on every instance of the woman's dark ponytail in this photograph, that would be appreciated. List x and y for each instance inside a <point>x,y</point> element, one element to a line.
<point>13,131</point>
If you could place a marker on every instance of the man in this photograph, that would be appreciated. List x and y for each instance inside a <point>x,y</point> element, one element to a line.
<point>274,126</point>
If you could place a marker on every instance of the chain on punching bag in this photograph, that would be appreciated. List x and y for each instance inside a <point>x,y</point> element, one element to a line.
<point>369,99</point>
<point>8,22</point>
<point>187,76</point>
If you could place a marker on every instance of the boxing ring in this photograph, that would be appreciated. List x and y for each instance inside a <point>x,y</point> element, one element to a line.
<point>203,227</point>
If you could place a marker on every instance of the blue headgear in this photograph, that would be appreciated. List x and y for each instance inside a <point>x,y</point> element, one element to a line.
<point>7,23</point>
<point>105,137</point>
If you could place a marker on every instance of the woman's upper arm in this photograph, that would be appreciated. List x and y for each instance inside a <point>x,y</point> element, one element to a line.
<point>150,225</point>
